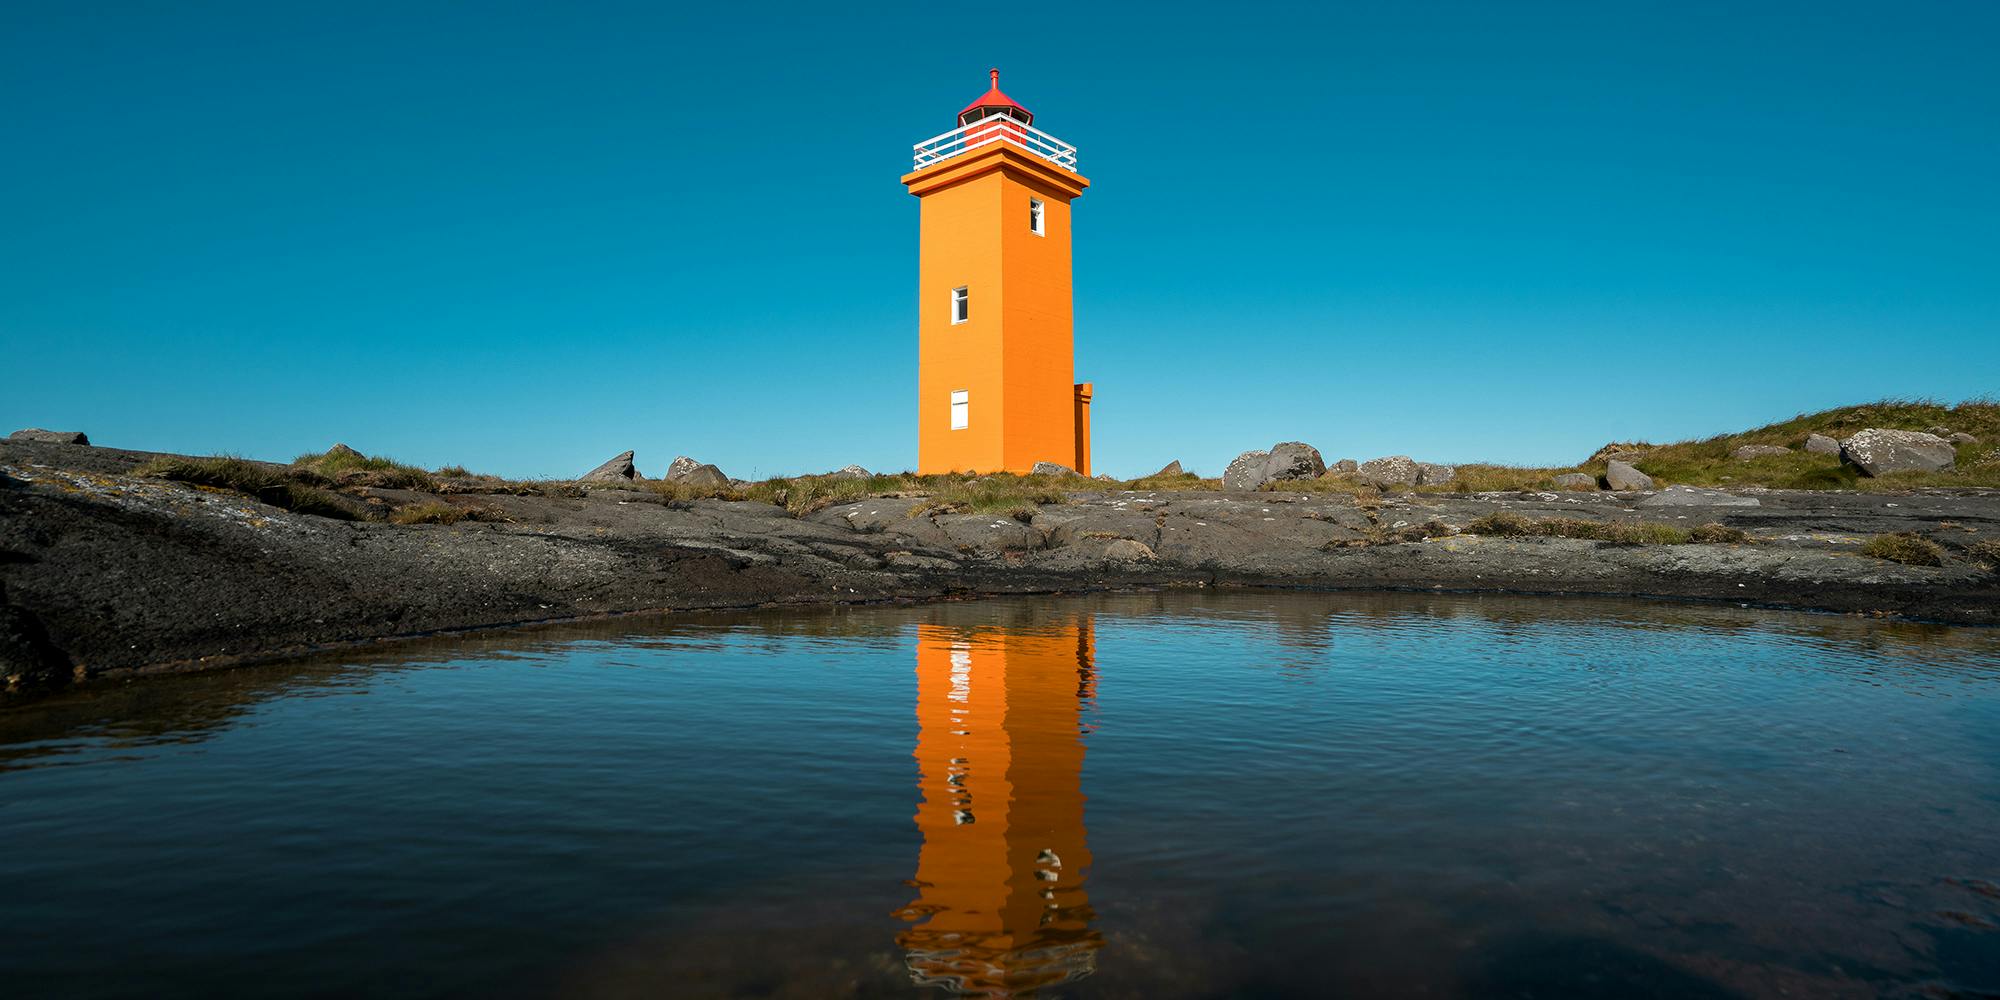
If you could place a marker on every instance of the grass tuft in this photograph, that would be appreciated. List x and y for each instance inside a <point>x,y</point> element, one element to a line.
<point>344,466</point>
<point>1906,547</point>
<point>1507,524</point>
<point>442,513</point>
<point>252,479</point>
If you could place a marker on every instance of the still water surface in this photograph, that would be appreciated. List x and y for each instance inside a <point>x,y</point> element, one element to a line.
<point>1132,796</point>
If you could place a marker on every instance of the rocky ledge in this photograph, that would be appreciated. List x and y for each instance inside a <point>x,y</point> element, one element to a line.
<point>104,573</point>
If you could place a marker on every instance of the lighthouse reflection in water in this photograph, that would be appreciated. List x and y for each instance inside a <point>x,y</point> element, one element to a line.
<point>1000,905</point>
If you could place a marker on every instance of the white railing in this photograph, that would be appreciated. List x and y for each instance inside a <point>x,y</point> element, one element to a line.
<point>989,130</point>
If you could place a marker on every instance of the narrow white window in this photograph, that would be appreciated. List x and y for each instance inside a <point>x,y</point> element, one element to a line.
<point>961,305</point>
<point>961,409</point>
<point>1035,216</point>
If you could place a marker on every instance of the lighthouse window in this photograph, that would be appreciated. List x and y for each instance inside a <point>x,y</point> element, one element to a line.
<point>1035,216</point>
<point>961,304</point>
<point>961,409</point>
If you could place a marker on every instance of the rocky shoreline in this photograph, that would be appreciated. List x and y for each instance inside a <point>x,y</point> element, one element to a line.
<point>105,573</point>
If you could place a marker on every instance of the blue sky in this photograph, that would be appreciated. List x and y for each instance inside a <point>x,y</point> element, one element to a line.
<point>523,237</point>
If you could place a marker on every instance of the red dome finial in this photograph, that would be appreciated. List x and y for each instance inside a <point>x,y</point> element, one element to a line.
<point>997,101</point>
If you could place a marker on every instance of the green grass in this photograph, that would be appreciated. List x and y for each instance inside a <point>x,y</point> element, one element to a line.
<point>432,512</point>
<point>1506,524</point>
<point>1906,547</point>
<point>346,467</point>
<point>251,479</point>
<point>1707,462</point>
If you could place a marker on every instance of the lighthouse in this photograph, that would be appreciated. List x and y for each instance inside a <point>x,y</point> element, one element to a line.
<point>996,379</point>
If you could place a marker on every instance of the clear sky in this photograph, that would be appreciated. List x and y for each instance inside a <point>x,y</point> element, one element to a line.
<point>523,237</point>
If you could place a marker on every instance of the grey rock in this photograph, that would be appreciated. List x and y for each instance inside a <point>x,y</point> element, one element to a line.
<point>1127,550</point>
<point>1620,475</point>
<point>1433,474</point>
<point>1246,471</point>
<point>1574,481</point>
<point>704,475</point>
<point>689,472</point>
<point>1877,451</point>
<point>340,450</point>
<point>1051,469</point>
<point>618,470</point>
<point>1939,431</point>
<point>1344,467</point>
<point>1285,460</point>
<point>49,437</point>
<point>1959,438</point>
<point>850,472</point>
<point>1105,477</point>
<point>1394,470</point>
<point>1750,451</point>
<point>1689,496</point>
<point>1820,444</point>
<point>1294,460</point>
<point>1172,468</point>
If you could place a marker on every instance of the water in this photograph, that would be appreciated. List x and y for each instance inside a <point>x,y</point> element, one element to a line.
<point>1134,796</point>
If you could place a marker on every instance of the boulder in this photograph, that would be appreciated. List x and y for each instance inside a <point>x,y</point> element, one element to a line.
<point>1344,467</point>
<point>1620,475</point>
<point>340,450</point>
<point>850,472</point>
<point>1051,469</point>
<point>49,437</point>
<point>1394,470</point>
<point>1172,468</point>
<point>705,475</point>
<point>1574,481</point>
<point>689,472</point>
<point>1939,431</point>
<point>1689,496</point>
<point>1959,438</point>
<point>618,470</point>
<point>1877,451</point>
<point>1750,451</point>
<point>1285,460</point>
<point>1433,474</point>
<point>1820,444</point>
<point>1294,460</point>
<point>1246,471</point>
<point>1128,550</point>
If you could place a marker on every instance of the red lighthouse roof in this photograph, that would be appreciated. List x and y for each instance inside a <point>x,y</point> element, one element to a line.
<point>992,102</point>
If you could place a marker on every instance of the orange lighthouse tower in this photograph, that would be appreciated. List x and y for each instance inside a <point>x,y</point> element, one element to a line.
<point>996,389</point>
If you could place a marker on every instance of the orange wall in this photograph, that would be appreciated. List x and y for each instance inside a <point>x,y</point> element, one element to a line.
<point>1015,355</point>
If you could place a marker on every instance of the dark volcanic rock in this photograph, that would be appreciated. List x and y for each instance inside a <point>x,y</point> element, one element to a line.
<point>618,470</point>
<point>1876,451</point>
<point>49,437</point>
<point>1689,496</point>
<point>103,573</point>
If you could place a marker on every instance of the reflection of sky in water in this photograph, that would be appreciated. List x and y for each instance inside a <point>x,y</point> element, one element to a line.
<point>1136,795</point>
